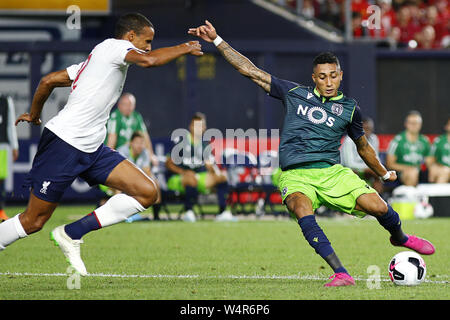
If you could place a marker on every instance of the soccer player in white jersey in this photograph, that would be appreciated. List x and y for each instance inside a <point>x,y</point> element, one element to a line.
<point>71,144</point>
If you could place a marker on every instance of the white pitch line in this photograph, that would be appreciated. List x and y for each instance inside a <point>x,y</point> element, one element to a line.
<point>196,276</point>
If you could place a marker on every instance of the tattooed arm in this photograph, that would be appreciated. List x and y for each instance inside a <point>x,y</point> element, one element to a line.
<point>238,61</point>
<point>369,156</point>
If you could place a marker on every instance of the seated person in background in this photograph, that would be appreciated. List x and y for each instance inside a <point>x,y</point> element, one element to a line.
<point>409,150</point>
<point>351,159</point>
<point>195,172</point>
<point>136,152</point>
<point>439,170</point>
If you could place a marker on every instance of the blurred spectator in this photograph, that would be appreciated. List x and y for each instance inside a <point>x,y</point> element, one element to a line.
<point>124,121</point>
<point>357,28</point>
<point>329,11</point>
<point>351,159</point>
<point>439,170</point>
<point>361,7</point>
<point>136,152</point>
<point>426,38</point>
<point>406,26</point>
<point>387,20</point>
<point>409,150</point>
<point>404,22</point>
<point>308,8</point>
<point>431,18</point>
<point>195,171</point>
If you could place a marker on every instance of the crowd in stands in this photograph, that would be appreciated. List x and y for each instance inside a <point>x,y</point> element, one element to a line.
<point>417,24</point>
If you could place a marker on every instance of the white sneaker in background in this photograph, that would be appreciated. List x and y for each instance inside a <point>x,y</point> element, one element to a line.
<point>189,216</point>
<point>226,216</point>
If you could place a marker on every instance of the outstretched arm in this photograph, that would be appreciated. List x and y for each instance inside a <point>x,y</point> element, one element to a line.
<point>369,156</point>
<point>162,56</point>
<point>241,63</point>
<point>43,91</point>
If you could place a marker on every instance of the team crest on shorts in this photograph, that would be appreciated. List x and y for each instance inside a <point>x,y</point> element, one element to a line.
<point>284,191</point>
<point>45,185</point>
<point>337,109</point>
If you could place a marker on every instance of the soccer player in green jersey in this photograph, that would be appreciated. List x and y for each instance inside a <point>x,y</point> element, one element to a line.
<point>409,150</point>
<point>315,121</point>
<point>439,170</point>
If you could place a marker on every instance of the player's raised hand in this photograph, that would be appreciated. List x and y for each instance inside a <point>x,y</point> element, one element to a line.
<point>28,118</point>
<point>206,32</point>
<point>195,48</point>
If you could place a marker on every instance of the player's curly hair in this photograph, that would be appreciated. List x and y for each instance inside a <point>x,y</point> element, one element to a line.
<point>326,57</point>
<point>131,21</point>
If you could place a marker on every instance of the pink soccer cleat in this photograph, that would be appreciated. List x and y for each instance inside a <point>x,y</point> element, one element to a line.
<point>417,244</point>
<point>340,279</point>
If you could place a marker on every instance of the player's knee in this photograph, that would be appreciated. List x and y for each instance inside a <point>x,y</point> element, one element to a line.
<point>32,225</point>
<point>379,209</point>
<point>298,207</point>
<point>149,195</point>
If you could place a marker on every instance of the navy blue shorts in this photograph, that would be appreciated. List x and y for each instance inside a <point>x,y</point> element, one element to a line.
<point>57,164</point>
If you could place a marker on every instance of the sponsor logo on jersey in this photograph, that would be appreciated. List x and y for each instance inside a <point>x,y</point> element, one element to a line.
<point>316,115</point>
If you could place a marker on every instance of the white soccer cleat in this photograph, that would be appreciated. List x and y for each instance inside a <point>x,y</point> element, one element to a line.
<point>70,248</point>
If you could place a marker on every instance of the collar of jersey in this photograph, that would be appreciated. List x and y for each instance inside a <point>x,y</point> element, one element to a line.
<point>324,99</point>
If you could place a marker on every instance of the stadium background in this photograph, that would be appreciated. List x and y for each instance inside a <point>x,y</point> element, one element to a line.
<point>387,80</point>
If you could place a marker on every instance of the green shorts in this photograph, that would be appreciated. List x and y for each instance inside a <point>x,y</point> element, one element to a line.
<point>336,187</point>
<point>3,164</point>
<point>174,183</point>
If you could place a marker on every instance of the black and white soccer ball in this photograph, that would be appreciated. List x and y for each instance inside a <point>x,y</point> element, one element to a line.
<point>407,268</point>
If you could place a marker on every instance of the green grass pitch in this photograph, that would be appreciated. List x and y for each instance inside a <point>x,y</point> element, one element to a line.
<point>208,260</point>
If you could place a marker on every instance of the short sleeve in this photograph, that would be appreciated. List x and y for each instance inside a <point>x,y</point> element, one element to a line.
<point>434,147</point>
<point>355,129</point>
<point>279,88</point>
<point>393,145</point>
<point>122,49</point>
<point>72,71</point>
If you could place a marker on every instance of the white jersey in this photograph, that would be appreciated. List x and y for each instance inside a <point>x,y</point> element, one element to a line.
<point>97,84</point>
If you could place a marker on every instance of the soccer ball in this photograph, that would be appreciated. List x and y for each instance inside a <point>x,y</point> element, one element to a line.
<point>407,268</point>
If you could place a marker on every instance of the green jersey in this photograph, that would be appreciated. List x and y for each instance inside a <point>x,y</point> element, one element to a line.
<point>441,150</point>
<point>313,125</point>
<point>124,127</point>
<point>407,152</point>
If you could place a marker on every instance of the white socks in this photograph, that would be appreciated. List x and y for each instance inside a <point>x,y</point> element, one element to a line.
<point>117,209</point>
<point>10,231</point>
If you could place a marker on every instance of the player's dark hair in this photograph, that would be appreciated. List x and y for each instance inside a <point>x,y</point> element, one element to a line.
<point>136,134</point>
<point>326,57</point>
<point>131,21</point>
